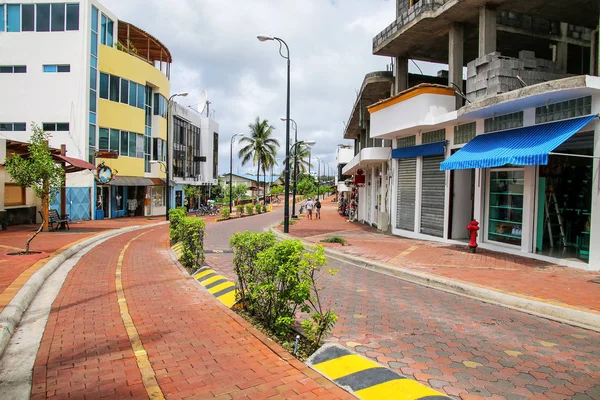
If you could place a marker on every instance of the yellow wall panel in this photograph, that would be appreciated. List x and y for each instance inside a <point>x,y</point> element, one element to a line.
<point>120,116</point>
<point>162,125</point>
<point>126,166</point>
<point>117,62</point>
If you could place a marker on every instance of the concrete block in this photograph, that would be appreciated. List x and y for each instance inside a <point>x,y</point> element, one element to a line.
<point>526,54</point>
<point>529,63</point>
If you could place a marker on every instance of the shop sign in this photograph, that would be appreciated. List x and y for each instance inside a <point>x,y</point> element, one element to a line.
<point>105,174</point>
<point>359,178</point>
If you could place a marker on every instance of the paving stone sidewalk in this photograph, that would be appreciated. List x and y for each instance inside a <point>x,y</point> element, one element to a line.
<point>507,273</point>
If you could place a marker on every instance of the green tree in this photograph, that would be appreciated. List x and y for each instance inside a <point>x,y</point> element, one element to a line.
<point>38,171</point>
<point>302,155</point>
<point>306,186</point>
<point>216,191</point>
<point>238,192</point>
<point>260,147</point>
<point>191,192</point>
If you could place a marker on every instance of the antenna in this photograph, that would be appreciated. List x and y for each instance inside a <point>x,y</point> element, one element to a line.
<point>202,100</point>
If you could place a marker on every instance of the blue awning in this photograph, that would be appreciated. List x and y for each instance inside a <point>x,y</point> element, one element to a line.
<point>522,146</point>
<point>429,149</point>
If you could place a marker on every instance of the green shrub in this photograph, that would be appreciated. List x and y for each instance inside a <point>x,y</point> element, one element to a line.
<point>240,209</point>
<point>335,239</point>
<point>192,239</point>
<point>258,209</point>
<point>264,208</point>
<point>249,209</point>
<point>175,217</point>
<point>225,213</point>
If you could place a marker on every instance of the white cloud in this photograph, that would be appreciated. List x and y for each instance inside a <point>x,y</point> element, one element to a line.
<point>214,47</point>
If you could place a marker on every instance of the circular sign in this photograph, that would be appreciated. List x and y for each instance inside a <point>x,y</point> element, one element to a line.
<point>105,174</point>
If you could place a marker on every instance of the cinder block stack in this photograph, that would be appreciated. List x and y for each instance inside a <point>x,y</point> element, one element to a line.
<point>493,73</point>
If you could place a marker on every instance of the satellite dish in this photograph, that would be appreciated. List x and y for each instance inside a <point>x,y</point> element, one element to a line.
<point>202,98</point>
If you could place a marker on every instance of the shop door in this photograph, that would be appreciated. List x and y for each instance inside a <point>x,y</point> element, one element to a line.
<point>369,188</point>
<point>377,195</point>
<point>103,201</point>
<point>433,194</point>
<point>405,201</point>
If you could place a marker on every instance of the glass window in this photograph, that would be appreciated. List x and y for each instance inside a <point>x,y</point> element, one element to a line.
<point>132,93</point>
<point>119,200</point>
<point>93,61</point>
<point>93,78</point>
<point>103,139</point>
<point>1,17</point>
<point>141,100</point>
<point>103,29</point>
<point>13,18</point>
<point>132,143</point>
<point>20,69</point>
<point>506,206</point>
<point>73,17</point>
<point>14,195</point>
<point>92,135</point>
<point>139,146</point>
<point>63,68</point>
<point>94,44</point>
<point>92,118</point>
<point>114,88</point>
<point>49,126</point>
<point>28,17</point>
<point>4,127</point>
<point>19,127</point>
<point>124,143</point>
<point>94,19</point>
<point>42,22</point>
<point>6,69</point>
<point>50,68</point>
<point>155,149</point>
<point>124,91</point>
<point>103,85</point>
<point>114,139</point>
<point>93,101</point>
<point>57,17</point>
<point>109,33</point>
<point>62,127</point>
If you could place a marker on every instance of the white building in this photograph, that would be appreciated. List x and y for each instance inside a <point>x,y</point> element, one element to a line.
<point>343,155</point>
<point>97,84</point>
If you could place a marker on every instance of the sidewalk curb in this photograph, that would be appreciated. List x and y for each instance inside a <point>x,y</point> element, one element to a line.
<point>14,310</point>
<point>571,316</point>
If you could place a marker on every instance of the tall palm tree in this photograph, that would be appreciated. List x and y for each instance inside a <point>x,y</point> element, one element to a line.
<point>302,156</point>
<point>260,147</point>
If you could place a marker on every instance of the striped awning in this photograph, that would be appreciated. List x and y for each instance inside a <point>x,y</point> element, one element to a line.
<point>529,145</point>
<point>421,150</point>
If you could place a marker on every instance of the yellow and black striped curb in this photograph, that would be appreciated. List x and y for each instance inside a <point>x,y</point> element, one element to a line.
<point>365,378</point>
<point>177,249</point>
<point>219,286</point>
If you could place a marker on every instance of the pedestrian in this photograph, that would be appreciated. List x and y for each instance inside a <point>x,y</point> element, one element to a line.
<point>309,208</point>
<point>318,207</point>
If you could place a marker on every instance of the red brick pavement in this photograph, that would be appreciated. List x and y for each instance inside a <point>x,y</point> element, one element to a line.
<point>504,272</point>
<point>197,347</point>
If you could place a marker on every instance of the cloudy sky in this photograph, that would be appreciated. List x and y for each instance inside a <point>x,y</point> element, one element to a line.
<point>214,47</point>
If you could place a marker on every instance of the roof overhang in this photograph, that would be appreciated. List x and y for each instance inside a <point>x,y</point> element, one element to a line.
<point>376,86</point>
<point>367,157</point>
<point>146,46</point>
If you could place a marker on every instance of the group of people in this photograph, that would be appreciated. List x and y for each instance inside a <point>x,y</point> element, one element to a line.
<point>316,205</point>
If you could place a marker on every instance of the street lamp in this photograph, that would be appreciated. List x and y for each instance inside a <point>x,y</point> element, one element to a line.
<point>168,170</point>
<point>318,177</point>
<point>231,170</point>
<point>286,208</point>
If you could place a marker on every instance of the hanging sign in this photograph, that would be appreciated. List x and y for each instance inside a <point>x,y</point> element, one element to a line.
<point>104,174</point>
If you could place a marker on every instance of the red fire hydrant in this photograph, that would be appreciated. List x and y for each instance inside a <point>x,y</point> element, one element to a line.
<point>473,227</point>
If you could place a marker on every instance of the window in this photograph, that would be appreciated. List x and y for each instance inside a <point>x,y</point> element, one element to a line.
<point>12,127</point>
<point>106,31</point>
<point>103,29</point>
<point>20,69</point>
<point>433,136</point>
<point>124,91</point>
<point>42,22</point>
<point>62,127</point>
<point>140,96</point>
<point>57,17</point>
<point>133,94</point>
<point>124,143</point>
<point>160,105</point>
<point>27,17</point>
<point>564,110</point>
<point>139,146</point>
<point>55,126</point>
<point>158,149</point>
<point>103,86</point>
<point>57,68</point>
<point>1,17</point>
<point>13,18</point>
<point>114,140</point>
<point>92,144</point>
<point>503,122</point>
<point>10,69</point>
<point>14,195</point>
<point>132,144</point>
<point>49,127</point>
<point>73,17</point>
<point>407,141</point>
<point>103,139</point>
<point>215,155</point>
<point>114,88</point>
<point>94,19</point>
<point>158,196</point>
<point>94,44</point>
<point>464,133</point>
<point>93,78</point>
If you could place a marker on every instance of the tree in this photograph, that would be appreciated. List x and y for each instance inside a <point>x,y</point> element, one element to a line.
<point>38,171</point>
<point>238,192</point>
<point>191,192</point>
<point>260,147</point>
<point>306,186</point>
<point>302,156</point>
<point>216,191</point>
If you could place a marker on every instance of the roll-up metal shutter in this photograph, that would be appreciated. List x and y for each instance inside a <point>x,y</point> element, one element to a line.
<point>407,187</point>
<point>433,196</point>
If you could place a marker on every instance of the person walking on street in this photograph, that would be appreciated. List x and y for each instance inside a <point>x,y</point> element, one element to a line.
<point>309,208</point>
<point>318,207</point>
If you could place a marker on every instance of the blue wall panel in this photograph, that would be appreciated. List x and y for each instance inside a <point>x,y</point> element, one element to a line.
<point>80,207</point>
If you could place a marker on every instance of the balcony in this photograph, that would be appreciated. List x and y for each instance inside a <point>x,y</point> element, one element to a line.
<point>140,44</point>
<point>366,157</point>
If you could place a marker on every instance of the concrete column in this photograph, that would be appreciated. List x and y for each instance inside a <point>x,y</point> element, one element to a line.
<point>455,58</point>
<point>401,78</point>
<point>487,30</point>
<point>562,48</point>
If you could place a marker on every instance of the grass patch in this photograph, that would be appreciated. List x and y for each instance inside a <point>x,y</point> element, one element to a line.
<point>291,222</point>
<point>335,239</point>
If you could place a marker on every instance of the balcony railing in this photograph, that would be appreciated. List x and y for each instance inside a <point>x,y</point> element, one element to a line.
<point>406,16</point>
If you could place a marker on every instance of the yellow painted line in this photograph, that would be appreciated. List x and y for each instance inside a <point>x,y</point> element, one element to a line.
<point>220,287</point>
<point>202,274</point>
<point>228,298</point>
<point>211,280</point>
<point>405,253</point>
<point>400,389</point>
<point>345,365</point>
<point>141,356</point>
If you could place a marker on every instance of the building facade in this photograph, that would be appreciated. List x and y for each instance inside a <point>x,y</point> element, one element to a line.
<point>195,154</point>
<point>99,85</point>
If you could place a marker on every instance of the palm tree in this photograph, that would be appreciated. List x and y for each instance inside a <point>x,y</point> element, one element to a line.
<point>302,155</point>
<point>260,147</point>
